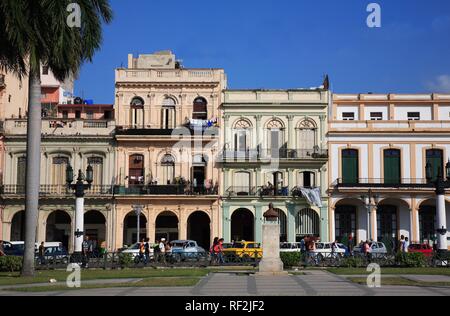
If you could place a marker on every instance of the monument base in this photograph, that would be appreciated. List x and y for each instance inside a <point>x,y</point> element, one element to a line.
<point>271,264</point>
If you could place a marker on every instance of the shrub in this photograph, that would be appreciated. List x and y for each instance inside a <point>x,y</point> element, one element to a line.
<point>126,260</point>
<point>412,260</point>
<point>290,259</point>
<point>353,262</point>
<point>10,264</point>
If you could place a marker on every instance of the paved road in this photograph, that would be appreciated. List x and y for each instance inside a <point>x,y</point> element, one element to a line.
<point>313,283</point>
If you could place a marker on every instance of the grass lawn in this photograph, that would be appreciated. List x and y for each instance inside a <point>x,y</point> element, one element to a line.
<point>361,271</point>
<point>60,275</point>
<point>400,281</point>
<point>149,282</point>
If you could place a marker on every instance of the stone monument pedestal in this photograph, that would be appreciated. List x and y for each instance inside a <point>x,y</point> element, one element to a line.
<point>271,263</point>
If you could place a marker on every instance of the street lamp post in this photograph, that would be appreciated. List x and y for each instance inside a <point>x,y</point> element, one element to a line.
<point>368,204</point>
<point>138,211</point>
<point>79,189</point>
<point>440,185</point>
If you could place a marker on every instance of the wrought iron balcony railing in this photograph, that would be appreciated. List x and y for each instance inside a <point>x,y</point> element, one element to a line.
<point>382,183</point>
<point>241,191</point>
<point>171,189</point>
<point>56,190</point>
<point>273,154</point>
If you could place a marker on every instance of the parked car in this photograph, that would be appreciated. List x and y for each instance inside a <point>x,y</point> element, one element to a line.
<point>426,249</point>
<point>134,250</point>
<point>290,247</point>
<point>376,249</point>
<point>324,249</point>
<point>55,252</point>
<point>183,250</point>
<point>14,248</point>
<point>245,249</point>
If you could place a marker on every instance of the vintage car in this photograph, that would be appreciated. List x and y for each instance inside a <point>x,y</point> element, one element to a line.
<point>244,250</point>
<point>182,250</point>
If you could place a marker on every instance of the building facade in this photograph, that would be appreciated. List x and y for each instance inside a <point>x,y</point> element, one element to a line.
<point>76,141</point>
<point>166,143</point>
<point>379,146</point>
<point>274,146</point>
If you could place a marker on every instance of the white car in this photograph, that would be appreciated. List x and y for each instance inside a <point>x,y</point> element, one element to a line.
<point>376,249</point>
<point>134,250</point>
<point>290,247</point>
<point>324,249</point>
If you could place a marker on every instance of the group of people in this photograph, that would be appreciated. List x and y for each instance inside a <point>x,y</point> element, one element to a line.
<point>160,249</point>
<point>216,251</point>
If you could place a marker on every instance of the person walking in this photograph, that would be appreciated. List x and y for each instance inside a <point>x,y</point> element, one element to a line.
<point>406,245</point>
<point>41,254</point>
<point>401,245</point>
<point>147,251</point>
<point>162,249</point>
<point>212,251</point>
<point>218,250</point>
<point>350,245</point>
<point>334,247</point>
<point>85,247</point>
<point>2,249</point>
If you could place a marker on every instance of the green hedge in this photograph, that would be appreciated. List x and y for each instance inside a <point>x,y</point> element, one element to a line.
<point>126,260</point>
<point>412,260</point>
<point>353,262</point>
<point>10,264</point>
<point>291,259</point>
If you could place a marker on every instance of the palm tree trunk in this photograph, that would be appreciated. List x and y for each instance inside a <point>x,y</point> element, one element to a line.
<point>33,170</point>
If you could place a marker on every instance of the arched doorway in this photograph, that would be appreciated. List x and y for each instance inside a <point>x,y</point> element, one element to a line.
<point>307,223</point>
<point>95,227</point>
<point>130,228</point>
<point>345,222</point>
<point>166,226</point>
<point>242,225</point>
<point>59,228</point>
<point>199,229</point>
<point>18,227</point>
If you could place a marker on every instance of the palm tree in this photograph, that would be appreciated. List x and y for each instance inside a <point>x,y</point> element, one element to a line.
<point>36,33</point>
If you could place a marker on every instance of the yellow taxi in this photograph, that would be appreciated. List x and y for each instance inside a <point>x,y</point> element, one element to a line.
<point>245,249</point>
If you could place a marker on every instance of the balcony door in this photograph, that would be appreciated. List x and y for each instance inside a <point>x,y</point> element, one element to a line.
<point>59,166</point>
<point>136,170</point>
<point>392,166</point>
<point>350,166</point>
<point>21,174</point>
<point>435,157</point>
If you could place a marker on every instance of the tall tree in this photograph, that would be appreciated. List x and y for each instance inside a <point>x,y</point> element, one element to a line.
<point>36,33</point>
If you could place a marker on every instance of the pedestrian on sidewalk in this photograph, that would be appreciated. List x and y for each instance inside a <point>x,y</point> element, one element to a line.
<point>41,254</point>
<point>218,250</point>
<point>147,251</point>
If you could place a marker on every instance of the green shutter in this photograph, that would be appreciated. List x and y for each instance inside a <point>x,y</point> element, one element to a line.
<point>435,158</point>
<point>350,172</point>
<point>392,164</point>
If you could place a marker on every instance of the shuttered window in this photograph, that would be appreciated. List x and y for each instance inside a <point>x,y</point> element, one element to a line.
<point>392,166</point>
<point>435,157</point>
<point>350,166</point>
<point>307,223</point>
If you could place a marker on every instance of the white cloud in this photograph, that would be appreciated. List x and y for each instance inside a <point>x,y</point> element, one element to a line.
<point>441,84</point>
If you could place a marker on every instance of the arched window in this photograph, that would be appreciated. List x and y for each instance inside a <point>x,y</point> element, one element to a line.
<point>136,170</point>
<point>168,114</point>
<point>307,223</point>
<point>306,135</point>
<point>275,137</point>
<point>137,113</point>
<point>168,169</point>
<point>242,135</point>
<point>350,166</point>
<point>392,166</point>
<point>97,166</point>
<point>200,111</point>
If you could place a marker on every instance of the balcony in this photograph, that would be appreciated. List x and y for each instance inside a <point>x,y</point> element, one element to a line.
<point>174,132</point>
<point>56,190</point>
<point>407,183</point>
<point>237,191</point>
<point>172,189</point>
<point>63,127</point>
<point>255,155</point>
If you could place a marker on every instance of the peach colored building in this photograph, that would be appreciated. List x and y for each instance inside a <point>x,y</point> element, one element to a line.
<point>166,147</point>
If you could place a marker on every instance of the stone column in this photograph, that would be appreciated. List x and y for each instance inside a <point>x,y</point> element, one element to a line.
<point>374,224</point>
<point>324,223</point>
<point>290,132</point>
<point>226,223</point>
<point>259,223</point>
<point>291,223</point>
<point>258,131</point>
<point>332,224</point>
<point>322,130</point>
